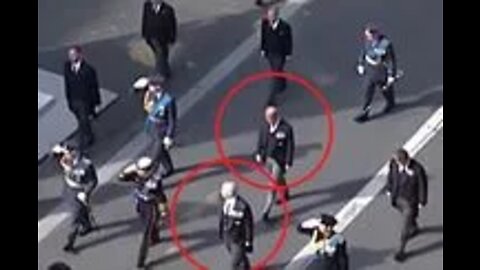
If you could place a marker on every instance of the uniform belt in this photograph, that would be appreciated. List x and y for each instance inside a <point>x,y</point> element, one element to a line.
<point>371,61</point>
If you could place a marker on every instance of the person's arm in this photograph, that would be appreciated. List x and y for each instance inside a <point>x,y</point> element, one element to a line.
<point>288,40</point>
<point>361,57</point>
<point>220,224</point>
<point>66,79</point>
<point>308,226</point>
<point>249,229</point>
<point>173,22</point>
<point>290,147</point>
<point>94,87</point>
<point>263,36</point>
<point>391,60</point>
<point>172,118</point>
<point>91,174</point>
<point>148,101</point>
<point>423,185</point>
<point>261,143</point>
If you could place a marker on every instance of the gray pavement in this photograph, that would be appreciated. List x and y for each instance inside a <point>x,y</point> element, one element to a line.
<point>326,47</point>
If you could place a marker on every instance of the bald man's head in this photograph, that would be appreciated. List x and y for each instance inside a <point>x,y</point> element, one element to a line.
<point>228,190</point>
<point>271,115</point>
<point>272,14</point>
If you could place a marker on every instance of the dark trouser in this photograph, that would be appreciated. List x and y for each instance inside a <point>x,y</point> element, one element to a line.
<point>161,52</point>
<point>81,222</point>
<point>239,255</point>
<point>82,112</point>
<point>409,213</point>
<point>149,216</point>
<point>277,173</point>
<point>278,85</point>
<point>162,155</point>
<point>376,77</point>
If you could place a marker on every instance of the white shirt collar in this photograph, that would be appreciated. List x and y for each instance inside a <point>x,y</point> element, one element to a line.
<point>275,24</point>
<point>76,66</point>
<point>405,168</point>
<point>228,205</point>
<point>157,7</point>
<point>274,127</point>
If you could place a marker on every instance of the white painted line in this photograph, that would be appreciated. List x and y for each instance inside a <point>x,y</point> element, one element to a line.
<point>139,143</point>
<point>355,206</point>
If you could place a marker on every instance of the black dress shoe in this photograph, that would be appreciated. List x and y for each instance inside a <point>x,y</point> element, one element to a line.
<point>265,218</point>
<point>388,108</point>
<point>86,231</point>
<point>361,118</point>
<point>70,249</point>
<point>400,256</point>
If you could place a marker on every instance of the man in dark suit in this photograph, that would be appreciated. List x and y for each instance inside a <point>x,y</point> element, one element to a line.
<point>159,29</point>
<point>161,123</point>
<point>82,92</point>
<point>276,46</point>
<point>236,226</point>
<point>407,188</point>
<point>275,148</point>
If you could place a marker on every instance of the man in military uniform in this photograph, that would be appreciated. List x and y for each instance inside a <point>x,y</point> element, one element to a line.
<point>80,179</point>
<point>236,226</point>
<point>408,190</point>
<point>275,149</point>
<point>161,122</point>
<point>378,66</point>
<point>149,197</point>
<point>331,247</point>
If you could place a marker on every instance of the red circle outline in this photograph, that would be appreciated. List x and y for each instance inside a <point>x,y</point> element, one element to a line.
<point>190,176</point>
<point>314,91</point>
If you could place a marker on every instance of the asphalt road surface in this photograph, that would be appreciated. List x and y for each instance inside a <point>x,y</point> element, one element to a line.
<point>326,43</point>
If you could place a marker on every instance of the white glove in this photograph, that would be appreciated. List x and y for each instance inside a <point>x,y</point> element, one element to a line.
<point>288,57</point>
<point>262,53</point>
<point>287,167</point>
<point>168,142</point>
<point>390,79</point>
<point>258,158</point>
<point>82,196</point>
<point>360,70</point>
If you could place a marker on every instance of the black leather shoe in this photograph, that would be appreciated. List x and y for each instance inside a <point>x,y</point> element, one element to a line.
<point>361,118</point>
<point>400,256</point>
<point>70,249</point>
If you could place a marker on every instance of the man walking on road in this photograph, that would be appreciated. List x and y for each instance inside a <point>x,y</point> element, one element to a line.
<point>275,149</point>
<point>81,179</point>
<point>161,123</point>
<point>82,92</point>
<point>159,29</point>
<point>378,65</point>
<point>276,46</point>
<point>236,226</point>
<point>407,188</point>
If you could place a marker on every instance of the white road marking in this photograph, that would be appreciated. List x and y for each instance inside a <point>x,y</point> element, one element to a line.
<point>355,206</point>
<point>139,143</point>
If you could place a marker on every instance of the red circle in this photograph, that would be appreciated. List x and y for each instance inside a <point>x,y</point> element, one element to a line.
<point>189,177</point>
<point>314,91</point>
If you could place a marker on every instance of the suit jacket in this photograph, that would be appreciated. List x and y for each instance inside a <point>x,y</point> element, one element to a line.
<point>161,26</point>
<point>276,42</point>
<point>82,86</point>
<point>279,145</point>
<point>238,229</point>
<point>411,186</point>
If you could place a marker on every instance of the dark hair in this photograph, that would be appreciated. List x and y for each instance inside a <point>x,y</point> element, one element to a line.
<point>373,29</point>
<point>403,154</point>
<point>59,266</point>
